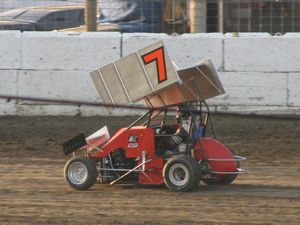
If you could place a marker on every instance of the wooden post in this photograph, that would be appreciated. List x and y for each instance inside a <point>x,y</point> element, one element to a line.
<point>197,14</point>
<point>221,16</point>
<point>91,15</point>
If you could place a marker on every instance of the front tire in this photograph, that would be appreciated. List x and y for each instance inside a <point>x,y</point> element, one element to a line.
<point>182,173</point>
<point>80,173</point>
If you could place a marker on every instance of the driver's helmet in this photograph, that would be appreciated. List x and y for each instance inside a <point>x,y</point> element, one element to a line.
<point>182,113</point>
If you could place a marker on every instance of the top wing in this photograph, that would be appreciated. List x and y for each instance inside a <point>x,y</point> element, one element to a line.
<point>150,75</point>
<point>135,76</point>
<point>197,83</point>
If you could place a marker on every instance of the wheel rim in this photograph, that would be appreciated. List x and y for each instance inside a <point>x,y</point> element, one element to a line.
<point>77,173</point>
<point>178,174</point>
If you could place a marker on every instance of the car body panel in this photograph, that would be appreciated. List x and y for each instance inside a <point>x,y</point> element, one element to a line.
<point>42,18</point>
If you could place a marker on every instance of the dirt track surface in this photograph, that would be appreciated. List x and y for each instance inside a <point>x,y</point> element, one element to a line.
<point>33,190</point>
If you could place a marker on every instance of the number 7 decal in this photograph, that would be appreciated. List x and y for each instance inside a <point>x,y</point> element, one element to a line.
<point>157,55</point>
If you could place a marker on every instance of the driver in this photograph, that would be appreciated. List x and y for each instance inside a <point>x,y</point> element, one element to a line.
<point>182,130</point>
<point>176,142</point>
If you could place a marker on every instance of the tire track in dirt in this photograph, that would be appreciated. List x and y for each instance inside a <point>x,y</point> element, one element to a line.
<point>33,190</point>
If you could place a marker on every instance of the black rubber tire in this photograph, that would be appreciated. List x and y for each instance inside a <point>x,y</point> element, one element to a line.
<point>190,168</point>
<point>91,172</point>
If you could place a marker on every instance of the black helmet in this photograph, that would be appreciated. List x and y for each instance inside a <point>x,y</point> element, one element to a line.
<point>178,118</point>
<point>182,113</point>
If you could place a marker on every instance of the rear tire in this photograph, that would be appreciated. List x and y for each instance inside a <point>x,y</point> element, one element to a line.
<point>222,180</point>
<point>182,173</point>
<point>80,173</point>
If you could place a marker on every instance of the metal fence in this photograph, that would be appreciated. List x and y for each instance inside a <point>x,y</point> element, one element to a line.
<point>169,16</point>
<point>273,16</point>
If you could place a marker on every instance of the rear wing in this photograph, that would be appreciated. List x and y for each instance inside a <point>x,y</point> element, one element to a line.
<point>149,74</point>
<point>196,83</point>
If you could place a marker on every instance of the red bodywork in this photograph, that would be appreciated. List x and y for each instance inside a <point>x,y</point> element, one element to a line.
<point>137,139</point>
<point>219,156</point>
<point>144,141</point>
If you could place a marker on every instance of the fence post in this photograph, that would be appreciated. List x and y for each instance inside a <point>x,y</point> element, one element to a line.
<point>197,14</point>
<point>221,16</point>
<point>91,15</point>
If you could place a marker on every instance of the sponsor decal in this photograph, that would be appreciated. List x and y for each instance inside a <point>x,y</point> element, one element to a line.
<point>133,141</point>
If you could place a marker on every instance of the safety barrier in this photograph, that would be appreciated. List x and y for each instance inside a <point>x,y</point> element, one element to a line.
<point>260,72</point>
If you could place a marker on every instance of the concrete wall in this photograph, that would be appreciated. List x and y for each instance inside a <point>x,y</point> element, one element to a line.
<point>260,73</point>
